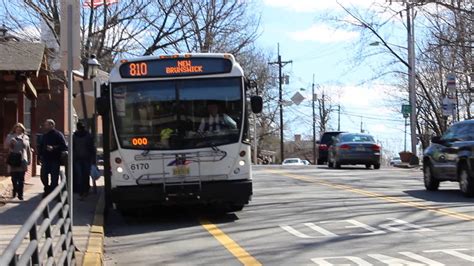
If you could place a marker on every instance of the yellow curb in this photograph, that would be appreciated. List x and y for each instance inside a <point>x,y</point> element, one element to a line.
<point>94,254</point>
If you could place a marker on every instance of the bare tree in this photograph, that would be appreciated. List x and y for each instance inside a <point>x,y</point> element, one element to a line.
<point>255,65</point>
<point>444,48</point>
<point>218,26</point>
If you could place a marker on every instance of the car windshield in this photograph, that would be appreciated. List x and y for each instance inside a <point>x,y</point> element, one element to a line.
<point>180,114</point>
<point>462,131</point>
<point>291,161</point>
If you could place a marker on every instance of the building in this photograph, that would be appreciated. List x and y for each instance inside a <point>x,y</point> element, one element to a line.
<point>299,148</point>
<point>24,81</point>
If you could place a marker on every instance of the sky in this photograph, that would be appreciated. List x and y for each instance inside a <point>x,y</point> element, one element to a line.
<point>316,46</point>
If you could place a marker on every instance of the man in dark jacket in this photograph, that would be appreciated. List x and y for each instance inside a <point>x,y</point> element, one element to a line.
<point>84,155</point>
<point>50,149</point>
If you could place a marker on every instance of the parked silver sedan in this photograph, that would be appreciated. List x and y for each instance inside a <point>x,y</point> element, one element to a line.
<point>352,149</point>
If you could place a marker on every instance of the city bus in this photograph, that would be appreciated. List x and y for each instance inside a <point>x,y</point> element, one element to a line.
<point>179,132</point>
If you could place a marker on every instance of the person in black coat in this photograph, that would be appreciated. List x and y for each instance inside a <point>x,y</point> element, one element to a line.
<point>84,155</point>
<point>50,149</point>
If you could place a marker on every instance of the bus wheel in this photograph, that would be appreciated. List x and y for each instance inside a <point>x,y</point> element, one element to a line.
<point>235,207</point>
<point>127,211</point>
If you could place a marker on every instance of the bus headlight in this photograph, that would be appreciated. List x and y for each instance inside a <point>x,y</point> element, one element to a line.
<point>120,169</point>
<point>242,163</point>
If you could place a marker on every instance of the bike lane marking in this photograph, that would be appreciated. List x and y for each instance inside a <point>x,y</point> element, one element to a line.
<point>417,205</point>
<point>234,248</point>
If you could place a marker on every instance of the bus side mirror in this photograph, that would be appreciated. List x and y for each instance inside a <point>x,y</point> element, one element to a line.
<point>257,104</point>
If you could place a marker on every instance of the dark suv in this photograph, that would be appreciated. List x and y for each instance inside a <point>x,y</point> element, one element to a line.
<point>451,158</point>
<point>324,143</point>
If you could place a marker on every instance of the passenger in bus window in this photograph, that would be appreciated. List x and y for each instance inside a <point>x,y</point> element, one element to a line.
<point>216,122</point>
<point>145,116</point>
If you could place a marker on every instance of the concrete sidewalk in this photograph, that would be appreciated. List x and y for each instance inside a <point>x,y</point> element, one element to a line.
<point>13,213</point>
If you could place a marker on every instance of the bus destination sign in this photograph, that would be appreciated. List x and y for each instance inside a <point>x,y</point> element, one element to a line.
<point>175,67</point>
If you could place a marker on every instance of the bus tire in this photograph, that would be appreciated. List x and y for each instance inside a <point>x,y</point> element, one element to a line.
<point>235,207</point>
<point>127,211</point>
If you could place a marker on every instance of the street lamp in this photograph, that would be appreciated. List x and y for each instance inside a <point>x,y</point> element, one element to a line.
<point>313,99</point>
<point>92,69</point>
<point>411,76</point>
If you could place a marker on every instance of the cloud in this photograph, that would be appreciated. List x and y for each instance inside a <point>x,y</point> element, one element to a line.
<point>324,34</point>
<point>315,5</point>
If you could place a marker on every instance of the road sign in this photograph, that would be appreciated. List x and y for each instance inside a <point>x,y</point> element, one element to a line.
<point>448,106</point>
<point>297,98</point>
<point>406,110</point>
<point>70,34</point>
<point>451,82</point>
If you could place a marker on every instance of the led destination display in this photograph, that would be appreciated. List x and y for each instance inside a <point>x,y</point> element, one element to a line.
<point>172,67</point>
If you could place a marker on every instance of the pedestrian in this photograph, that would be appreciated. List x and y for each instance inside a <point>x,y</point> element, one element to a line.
<point>84,156</point>
<point>50,149</point>
<point>17,142</point>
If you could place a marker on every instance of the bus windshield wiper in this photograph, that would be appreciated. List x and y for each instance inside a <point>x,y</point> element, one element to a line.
<point>213,145</point>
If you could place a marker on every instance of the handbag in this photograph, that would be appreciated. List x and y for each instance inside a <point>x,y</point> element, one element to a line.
<point>14,159</point>
<point>95,173</point>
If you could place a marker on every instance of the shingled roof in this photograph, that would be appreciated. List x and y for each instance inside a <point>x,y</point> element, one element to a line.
<point>21,56</point>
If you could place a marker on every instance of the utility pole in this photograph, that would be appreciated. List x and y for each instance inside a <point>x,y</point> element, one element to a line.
<point>411,76</point>
<point>339,117</point>
<point>314,124</point>
<point>280,102</point>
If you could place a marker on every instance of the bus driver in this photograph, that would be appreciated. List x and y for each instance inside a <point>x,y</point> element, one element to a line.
<point>216,122</point>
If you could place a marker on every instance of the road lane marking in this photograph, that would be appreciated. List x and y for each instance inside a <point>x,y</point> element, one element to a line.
<point>417,258</point>
<point>417,205</point>
<point>234,248</point>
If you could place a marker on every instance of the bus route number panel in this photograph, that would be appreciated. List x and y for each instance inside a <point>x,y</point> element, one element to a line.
<point>175,67</point>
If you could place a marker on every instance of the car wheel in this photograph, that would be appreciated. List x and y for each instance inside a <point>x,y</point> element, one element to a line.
<point>466,181</point>
<point>320,161</point>
<point>367,166</point>
<point>377,166</point>
<point>337,165</point>
<point>431,183</point>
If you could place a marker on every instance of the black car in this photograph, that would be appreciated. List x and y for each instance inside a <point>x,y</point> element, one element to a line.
<point>451,158</point>
<point>354,148</point>
<point>324,144</point>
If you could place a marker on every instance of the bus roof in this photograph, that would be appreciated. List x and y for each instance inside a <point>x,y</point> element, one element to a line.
<point>235,70</point>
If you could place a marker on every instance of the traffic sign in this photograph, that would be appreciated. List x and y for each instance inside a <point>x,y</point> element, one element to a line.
<point>297,98</point>
<point>406,110</point>
<point>448,106</point>
<point>451,82</point>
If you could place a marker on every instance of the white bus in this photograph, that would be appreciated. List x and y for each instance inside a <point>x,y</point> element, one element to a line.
<point>179,132</point>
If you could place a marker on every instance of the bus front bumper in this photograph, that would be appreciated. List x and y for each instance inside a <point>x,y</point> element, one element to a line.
<point>236,192</point>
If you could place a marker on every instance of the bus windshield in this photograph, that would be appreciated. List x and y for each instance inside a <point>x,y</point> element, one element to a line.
<point>178,114</point>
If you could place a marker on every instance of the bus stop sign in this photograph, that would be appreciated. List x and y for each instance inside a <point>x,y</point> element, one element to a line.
<point>406,110</point>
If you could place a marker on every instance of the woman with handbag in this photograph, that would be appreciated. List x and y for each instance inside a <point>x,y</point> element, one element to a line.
<point>19,157</point>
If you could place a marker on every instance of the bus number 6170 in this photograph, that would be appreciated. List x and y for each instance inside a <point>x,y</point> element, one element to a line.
<point>139,166</point>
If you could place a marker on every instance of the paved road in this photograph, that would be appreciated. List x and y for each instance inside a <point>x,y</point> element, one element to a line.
<point>309,216</point>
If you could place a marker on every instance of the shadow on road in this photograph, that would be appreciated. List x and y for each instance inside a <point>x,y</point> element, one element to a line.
<point>446,195</point>
<point>155,219</point>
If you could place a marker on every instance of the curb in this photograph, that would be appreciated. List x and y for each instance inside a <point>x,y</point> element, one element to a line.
<point>94,254</point>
